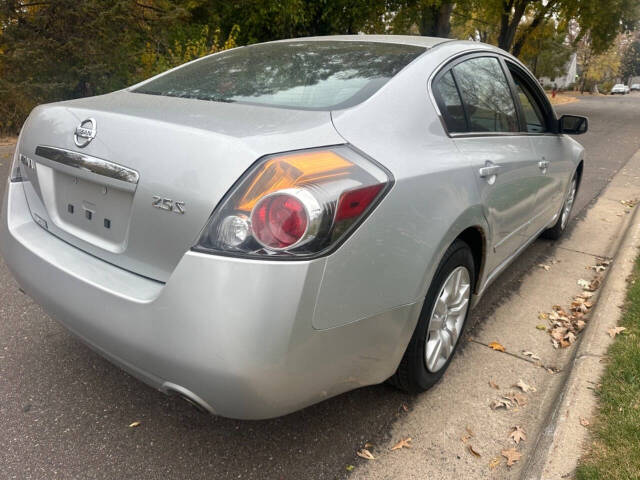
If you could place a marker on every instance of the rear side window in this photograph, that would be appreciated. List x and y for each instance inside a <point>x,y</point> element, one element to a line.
<point>447,95</point>
<point>486,95</point>
<point>309,75</point>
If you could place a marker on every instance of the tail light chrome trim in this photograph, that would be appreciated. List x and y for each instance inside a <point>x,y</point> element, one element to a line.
<point>313,211</point>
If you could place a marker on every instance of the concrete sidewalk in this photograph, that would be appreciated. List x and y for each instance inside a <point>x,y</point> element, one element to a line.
<point>454,432</point>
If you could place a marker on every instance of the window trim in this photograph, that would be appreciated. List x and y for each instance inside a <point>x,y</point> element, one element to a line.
<point>451,62</point>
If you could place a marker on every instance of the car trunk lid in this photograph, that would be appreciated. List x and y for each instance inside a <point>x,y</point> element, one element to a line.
<point>140,192</point>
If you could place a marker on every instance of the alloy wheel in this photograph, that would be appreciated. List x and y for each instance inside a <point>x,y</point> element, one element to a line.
<point>447,318</point>
<point>568,204</point>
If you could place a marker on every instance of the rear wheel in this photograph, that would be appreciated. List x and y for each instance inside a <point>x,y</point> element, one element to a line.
<point>558,229</point>
<point>442,321</point>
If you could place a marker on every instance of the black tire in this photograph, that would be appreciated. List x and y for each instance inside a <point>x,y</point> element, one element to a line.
<point>555,232</point>
<point>412,374</point>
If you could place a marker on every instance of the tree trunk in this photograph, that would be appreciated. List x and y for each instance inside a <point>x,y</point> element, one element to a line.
<point>435,21</point>
<point>535,23</point>
<point>444,20</point>
<point>512,12</point>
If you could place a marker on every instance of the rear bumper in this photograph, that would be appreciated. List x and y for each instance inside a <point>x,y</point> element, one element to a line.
<point>235,335</point>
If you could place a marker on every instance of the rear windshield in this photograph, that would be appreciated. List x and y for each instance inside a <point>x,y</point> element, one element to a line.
<point>311,75</point>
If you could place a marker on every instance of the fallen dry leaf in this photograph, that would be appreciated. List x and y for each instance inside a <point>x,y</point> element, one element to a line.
<point>496,346</point>
<point>582,283</point>
<point>517,398</point>
<point>524,386</point>
<point>546,268</point>
<point>350,468</point>
<point>558,333</point>
<point>518,434</point>
<point>134,424</point>
<point>473,451</point>
<point>584,422</point>
<point>530,354</point>
<point>615,331</point>
<point>541,327</point>
<point>493,384</point>
<point>543,316</point>
<point>494,462</point>
<point>594,285</point>
<point>405,443</point>
<point>512,456</point>
<point>505,403</point>
<point>366,454</point>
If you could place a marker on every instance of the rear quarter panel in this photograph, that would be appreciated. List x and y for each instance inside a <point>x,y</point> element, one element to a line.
<point>391,258</point>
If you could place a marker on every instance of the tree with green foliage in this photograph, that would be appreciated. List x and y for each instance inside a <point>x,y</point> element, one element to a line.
<point>546,51</point>
<point>59,49</point>
<point>511,23</point>
<point>630,63</point>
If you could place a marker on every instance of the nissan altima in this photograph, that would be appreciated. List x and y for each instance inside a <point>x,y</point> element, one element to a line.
<point>272,225</point>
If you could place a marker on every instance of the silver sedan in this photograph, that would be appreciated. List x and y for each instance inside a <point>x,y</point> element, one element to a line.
<point>272,225</point>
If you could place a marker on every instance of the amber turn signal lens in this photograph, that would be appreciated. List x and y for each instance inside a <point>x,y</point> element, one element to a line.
<point>293,170</point>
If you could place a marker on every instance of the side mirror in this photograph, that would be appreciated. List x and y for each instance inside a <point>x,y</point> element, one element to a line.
<point>573,124</point>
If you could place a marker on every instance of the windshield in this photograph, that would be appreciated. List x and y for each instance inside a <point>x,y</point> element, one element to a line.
<point>310,75</point>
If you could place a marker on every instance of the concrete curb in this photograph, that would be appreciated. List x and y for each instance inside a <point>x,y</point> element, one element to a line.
<point>560,443</point>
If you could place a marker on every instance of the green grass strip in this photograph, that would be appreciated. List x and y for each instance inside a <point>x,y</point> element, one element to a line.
<point>614,450</point>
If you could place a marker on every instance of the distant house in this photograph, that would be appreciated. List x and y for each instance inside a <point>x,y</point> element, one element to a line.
<point>569,77</point>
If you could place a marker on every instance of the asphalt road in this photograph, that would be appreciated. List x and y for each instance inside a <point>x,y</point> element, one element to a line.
<point>64,411</point>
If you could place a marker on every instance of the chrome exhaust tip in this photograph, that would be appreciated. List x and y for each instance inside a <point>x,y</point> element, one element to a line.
<point>188,396</point>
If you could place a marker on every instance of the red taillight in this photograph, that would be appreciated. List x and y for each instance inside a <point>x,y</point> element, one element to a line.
<point>279,220</point>
<point>296,204</point>
<point>354,202</point>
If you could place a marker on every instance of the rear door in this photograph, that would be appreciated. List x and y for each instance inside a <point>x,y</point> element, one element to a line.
<point>478,107</point>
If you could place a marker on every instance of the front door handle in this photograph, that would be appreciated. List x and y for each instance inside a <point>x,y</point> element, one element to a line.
<point>489,170</point>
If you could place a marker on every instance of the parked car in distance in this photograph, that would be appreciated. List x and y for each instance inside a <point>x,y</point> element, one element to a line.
<point>635,86</point>
<point>619,88</point>
<point>272,225</point>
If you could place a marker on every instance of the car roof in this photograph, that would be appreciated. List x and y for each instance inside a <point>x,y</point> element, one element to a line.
<point>417,40</point>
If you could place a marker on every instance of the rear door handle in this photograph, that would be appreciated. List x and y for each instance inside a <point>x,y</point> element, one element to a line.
<point>489,170</point>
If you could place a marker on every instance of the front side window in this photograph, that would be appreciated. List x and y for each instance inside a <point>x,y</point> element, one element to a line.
<point>310,75</point>
<point>531,109</point>
<point>486,95</point>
